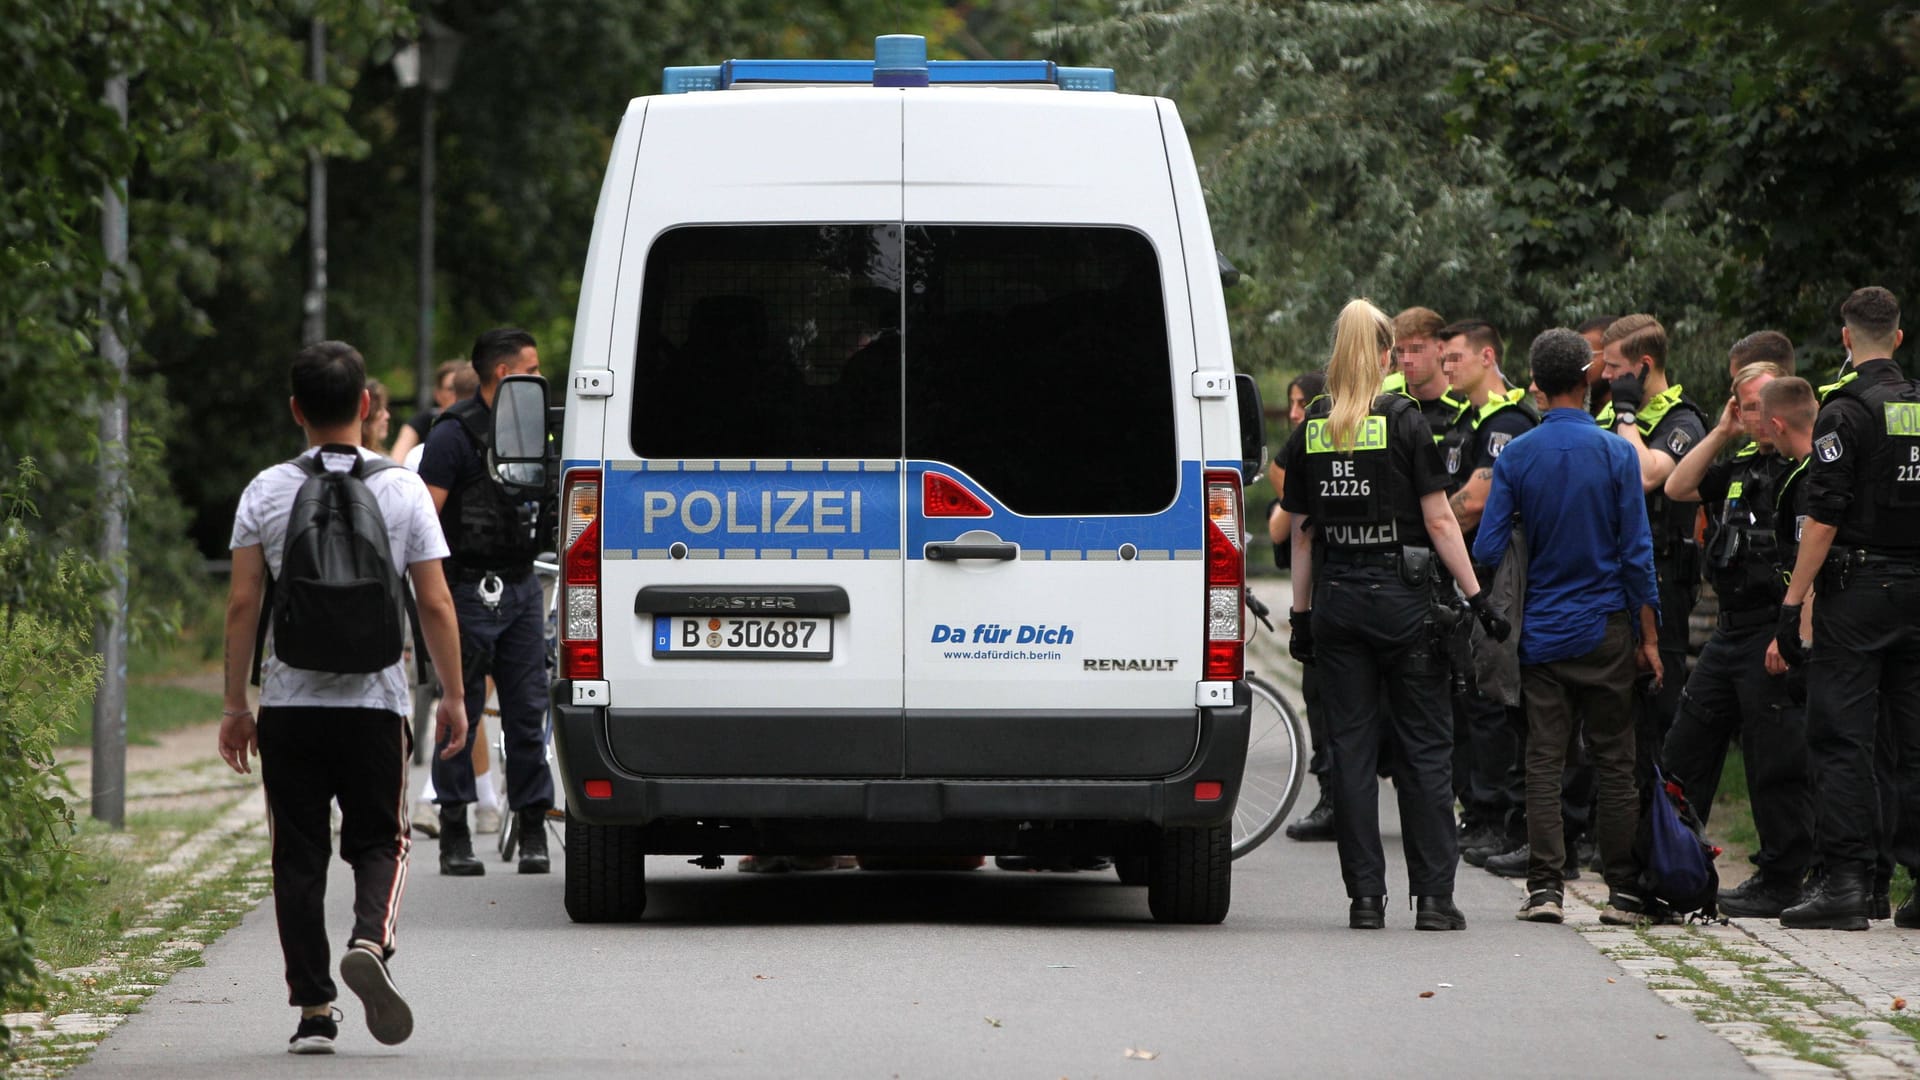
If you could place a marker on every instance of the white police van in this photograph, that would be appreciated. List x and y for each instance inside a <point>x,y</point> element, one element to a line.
<point>900,508</point>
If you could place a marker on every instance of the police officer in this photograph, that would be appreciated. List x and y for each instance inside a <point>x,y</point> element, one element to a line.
<point>1416,371</point>
<point>500,608</point>
<point>1662,425</point>
<point>1317,823</point>
<point>1861,540</point>
<point>1730,690</point>
<point>1365,470</point>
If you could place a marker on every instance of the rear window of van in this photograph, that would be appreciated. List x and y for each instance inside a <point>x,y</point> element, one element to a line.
<point>1032,358</point>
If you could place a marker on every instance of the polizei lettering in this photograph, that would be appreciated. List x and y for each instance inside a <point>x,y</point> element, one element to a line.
<point>1363,535</point>
<point>1128,665</point>
<point>773,512</point>
<point>995,634</point>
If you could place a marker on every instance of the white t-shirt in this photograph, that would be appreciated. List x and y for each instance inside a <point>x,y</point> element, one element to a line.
<point>413,535</point>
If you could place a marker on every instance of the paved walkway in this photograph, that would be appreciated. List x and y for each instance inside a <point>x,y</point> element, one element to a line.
<point>1799,1003</point>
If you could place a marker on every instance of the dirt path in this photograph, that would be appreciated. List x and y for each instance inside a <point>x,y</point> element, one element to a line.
<point>190,748</point>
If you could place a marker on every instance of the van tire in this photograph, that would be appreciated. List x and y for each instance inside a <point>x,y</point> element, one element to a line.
<point>1189,876</point>
<point>606,873</point>
<point>1131,868</point>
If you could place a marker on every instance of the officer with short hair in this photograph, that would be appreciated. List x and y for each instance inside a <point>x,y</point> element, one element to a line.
<point>1662,425</point>
<point>1365,470</point>
<point>1487,774</point>
<point>1416,371</point>
<point>1730,692</point>
<point>500,605</point>
<point>1861,540</point>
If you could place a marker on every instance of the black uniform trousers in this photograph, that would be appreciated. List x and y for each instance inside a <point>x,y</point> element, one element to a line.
<point>1486,755</point>
<point>508,642</point>
<point>1654,709</point>
<point>1319,763</point>
<point>1729,694</point>
<point>1866,660</point>
<point>308,758</point>
<point>1371,642</point>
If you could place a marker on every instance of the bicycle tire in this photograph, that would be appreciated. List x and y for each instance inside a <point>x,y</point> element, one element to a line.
<point>1276,768</point>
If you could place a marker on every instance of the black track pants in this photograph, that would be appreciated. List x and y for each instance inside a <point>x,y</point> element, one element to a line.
<point>308,758</point>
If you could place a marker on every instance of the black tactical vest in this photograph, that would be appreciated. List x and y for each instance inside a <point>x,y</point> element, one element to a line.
<point>1886,514</point>
<point>1361,499</point>
<point>1742,551</point>
<point>486,530</point>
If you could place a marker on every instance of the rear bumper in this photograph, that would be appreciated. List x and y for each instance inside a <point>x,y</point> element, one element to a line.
<point>581,745</point>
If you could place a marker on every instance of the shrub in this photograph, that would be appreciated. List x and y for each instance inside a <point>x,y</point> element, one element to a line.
<point>47,671</point>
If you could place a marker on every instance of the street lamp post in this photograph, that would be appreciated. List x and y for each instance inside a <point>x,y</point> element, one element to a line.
<point>428,64</point>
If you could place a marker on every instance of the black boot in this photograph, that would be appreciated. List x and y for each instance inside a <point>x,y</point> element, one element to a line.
<point>1367,913</point>
<point>1437,913</point>
<point>456,843</point>
<point>1759,897</point>
<point>1908,917</point>
<point>533,840</point>
<point>1880,900</point>
<point>1318,824</point>
<point>1839,902</point>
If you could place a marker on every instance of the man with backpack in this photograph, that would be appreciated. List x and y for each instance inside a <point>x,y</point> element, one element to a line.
<point>502,612</point>
<point>325,538</point>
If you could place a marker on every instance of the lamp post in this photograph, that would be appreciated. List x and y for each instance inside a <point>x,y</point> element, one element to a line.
<point>429,64</point>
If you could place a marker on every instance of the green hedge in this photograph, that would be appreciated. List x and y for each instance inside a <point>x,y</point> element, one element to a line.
<point>47,672</point>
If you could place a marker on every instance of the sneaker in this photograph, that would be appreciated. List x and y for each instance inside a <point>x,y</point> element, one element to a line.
<point>1514,864</point>
<point>315,1034</point>
<point>763,864</point>
<point>809,863</point>
<point>1543,905</point>
<point>365,973</point>
<point>1481,837</point>
<point>426,818</point>
<point>1625,909</point>
<point>486,819</point>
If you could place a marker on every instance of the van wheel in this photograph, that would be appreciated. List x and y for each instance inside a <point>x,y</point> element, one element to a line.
<point>1131,868</point>
<point>1189,876</point>
<point>606,873</point>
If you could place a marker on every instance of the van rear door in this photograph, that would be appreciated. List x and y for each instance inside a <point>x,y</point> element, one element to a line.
<point>1054,582</point>
<point>752,577</point>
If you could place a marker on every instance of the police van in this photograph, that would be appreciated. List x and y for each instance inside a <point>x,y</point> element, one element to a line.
<point>900,481</point>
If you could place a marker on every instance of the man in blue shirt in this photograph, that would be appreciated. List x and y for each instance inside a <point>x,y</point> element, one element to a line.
<point>1575,494</point>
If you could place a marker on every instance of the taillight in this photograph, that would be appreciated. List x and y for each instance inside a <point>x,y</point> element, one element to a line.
<point>945,497</point>
<point>580,577</point>
<point>1226,579</point>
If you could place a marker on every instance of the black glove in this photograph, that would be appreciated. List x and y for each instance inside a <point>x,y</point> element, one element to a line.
<point>1629,391</point>
<point>1797,685</point>
<point>1496,627</point>
<point>1300,642</point>
<point>1787,634</point>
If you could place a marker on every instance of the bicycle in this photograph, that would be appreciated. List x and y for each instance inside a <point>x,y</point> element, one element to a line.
<point>1276,759</point>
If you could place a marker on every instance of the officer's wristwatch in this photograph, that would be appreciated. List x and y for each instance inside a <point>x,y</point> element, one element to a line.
<point>1625,416</point>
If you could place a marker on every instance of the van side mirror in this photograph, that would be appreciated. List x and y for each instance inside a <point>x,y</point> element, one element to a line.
<point>1253,428</point>
<point>520,432</point>
<point>1229,273</point>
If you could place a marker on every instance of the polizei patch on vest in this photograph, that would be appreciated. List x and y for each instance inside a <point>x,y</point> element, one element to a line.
<point>1679,441</point>
<point>1828,447</point>
<point>1498,441</point>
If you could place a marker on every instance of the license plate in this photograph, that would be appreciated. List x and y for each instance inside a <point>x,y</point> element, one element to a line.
<point>700,637</point>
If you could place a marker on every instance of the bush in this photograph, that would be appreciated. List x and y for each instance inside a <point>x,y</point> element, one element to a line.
<point>47,671</point>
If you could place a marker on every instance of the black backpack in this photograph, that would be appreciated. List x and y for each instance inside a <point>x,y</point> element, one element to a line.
<point>337,602</point>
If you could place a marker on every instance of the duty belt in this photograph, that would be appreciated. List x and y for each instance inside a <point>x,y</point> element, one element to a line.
<point>467,575</point>
<point>1730,621</point>
<point>1389,560</point>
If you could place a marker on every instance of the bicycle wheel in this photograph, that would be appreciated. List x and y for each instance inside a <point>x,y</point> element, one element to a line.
<point>1276,768</point>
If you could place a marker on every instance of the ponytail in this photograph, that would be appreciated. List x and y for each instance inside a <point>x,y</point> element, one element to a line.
<point>1360,335</point>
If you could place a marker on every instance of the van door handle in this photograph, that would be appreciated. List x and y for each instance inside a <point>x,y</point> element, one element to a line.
<point>1001,552</point>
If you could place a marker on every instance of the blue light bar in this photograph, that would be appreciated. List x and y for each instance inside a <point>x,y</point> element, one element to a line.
<point>901,62</point>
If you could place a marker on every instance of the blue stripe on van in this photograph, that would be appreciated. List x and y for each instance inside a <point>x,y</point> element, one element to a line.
<point>813,509</point>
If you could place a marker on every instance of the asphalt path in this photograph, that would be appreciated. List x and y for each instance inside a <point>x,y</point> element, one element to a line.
<point>985,973</point>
